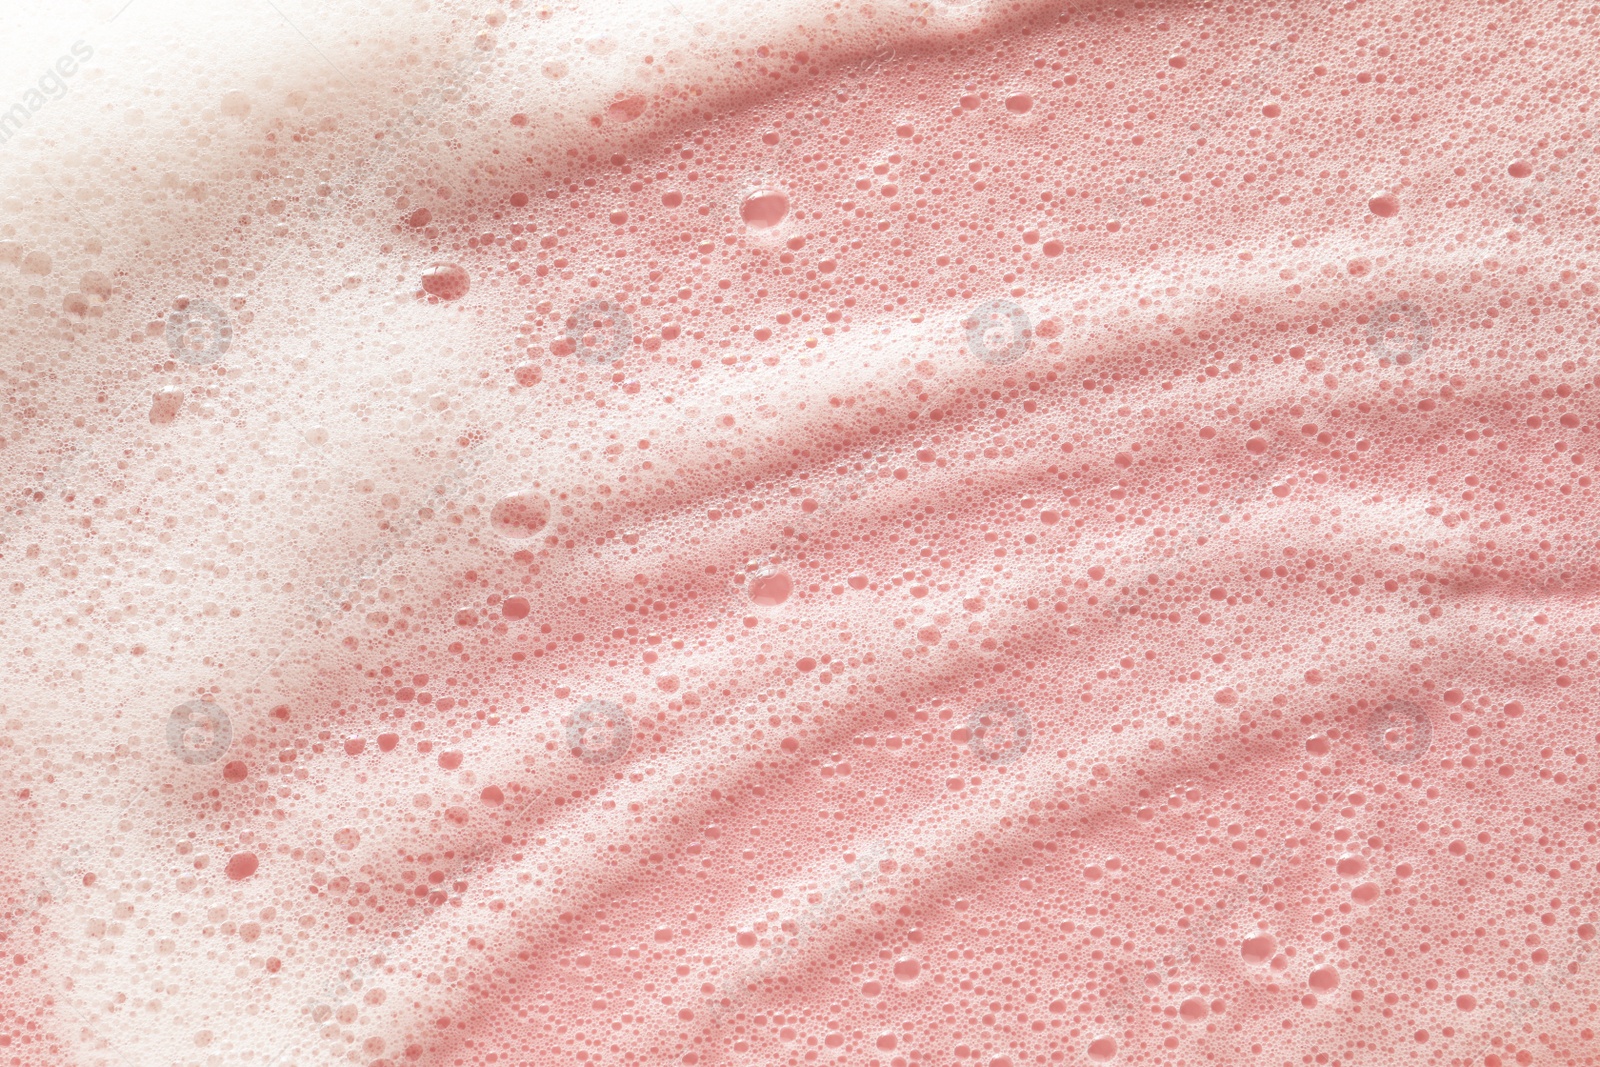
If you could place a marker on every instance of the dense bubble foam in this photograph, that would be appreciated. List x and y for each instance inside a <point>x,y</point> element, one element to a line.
<point>977,534</point>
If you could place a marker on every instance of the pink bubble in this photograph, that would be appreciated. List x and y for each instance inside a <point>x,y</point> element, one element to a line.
<point>770,588</point>
<point>1324,979</point>
<point>1258,949</point>
<point>1351,866</point>
<point>627,109</point>
<point>1102,1049</point>
<point>445,281</point>
<point>764,210</point>
<point>241,866</point>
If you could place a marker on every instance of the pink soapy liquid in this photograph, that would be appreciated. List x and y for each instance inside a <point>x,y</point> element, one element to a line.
<point>1063,538</point>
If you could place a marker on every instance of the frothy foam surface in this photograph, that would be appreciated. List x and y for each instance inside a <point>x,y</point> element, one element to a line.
<point>800,533</point>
